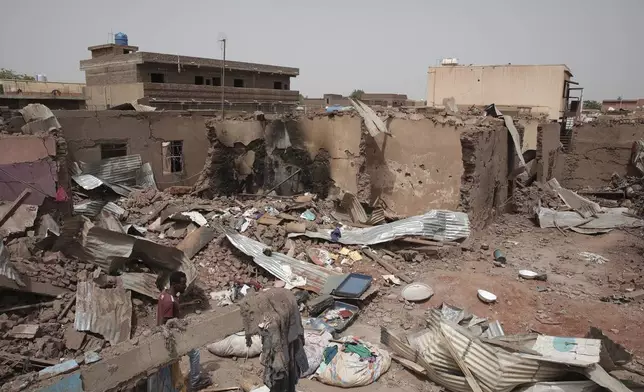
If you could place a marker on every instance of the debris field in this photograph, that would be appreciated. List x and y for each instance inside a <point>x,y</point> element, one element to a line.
<point>399,297</point>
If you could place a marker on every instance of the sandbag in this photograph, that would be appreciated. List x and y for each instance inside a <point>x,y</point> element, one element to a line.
<point>346,369</point>
<point>314,345</point>
<point>235,346</point>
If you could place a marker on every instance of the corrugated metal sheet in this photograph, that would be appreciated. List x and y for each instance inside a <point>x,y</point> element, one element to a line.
<point>438,225</point>
<point>315,276</point>
<point>351,203</point>
<point>107,312</point>
<point>494,368</point>
<point>115,170</point>
<point>6,268</point>
<point>377,217</point>
<point>109,249</point>
<point>145,177</point>
<point>142,283</point>
<point>87,181</point>
<point>94,207</point>
<point>610,218</point>
<point>121,174</point>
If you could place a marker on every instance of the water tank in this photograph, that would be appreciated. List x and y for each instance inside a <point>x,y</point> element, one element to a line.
<point>449,61</point>
<point>120,39</point>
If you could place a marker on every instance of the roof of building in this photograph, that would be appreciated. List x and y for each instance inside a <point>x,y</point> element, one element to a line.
<point>607,101</point>
<point>110,45</point>
<point>502,65</point>
<point>165,58</point>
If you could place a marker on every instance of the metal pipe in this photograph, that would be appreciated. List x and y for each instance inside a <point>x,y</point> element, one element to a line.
<point>223,80</point>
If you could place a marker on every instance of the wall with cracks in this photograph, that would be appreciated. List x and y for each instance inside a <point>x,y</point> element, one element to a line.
<point>600,149</point>
<point>429,161</point>
<point>143,134</point>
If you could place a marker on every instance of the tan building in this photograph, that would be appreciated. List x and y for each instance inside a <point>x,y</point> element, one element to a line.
<point>371,99</point>
<point>118,74</point>
<point>536,89</point>
<point>17,94</point>
<point>609,105</point>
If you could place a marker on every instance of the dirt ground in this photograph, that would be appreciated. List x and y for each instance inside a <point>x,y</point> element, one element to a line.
<point>567,304</point>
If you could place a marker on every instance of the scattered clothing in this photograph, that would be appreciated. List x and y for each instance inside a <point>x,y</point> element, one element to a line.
<point>361,350</point>
<point>336,234</point>
<point>330,353</point>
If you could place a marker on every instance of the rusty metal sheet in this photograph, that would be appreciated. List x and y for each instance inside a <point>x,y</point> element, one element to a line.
<point>22,219</point>
<point>41,176</point>
<point>142,283</point>
<point>107,312</point>
<point>195,241</point>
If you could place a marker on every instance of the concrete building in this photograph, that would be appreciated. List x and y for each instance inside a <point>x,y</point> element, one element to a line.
<point>372,99</point>
<point>17,94</point>
<point>622,104</point>
<point>534,89</point>
<point>118,74</point>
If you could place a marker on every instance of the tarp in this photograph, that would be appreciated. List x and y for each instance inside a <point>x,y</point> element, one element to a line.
<point>438,225</point>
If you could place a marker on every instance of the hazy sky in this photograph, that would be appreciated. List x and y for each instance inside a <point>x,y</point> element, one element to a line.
<point>375,45</point>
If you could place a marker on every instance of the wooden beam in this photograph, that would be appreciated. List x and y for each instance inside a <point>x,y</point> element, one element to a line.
<point>14,205</point>
<point>133,361</point>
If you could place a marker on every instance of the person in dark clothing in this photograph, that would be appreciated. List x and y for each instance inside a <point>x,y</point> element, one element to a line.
<point>168,308</point>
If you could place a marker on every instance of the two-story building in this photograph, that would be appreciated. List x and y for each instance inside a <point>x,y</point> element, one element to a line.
<point>118,74</point>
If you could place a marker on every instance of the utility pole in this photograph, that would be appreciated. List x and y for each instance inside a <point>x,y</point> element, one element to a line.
<point>223,79</point>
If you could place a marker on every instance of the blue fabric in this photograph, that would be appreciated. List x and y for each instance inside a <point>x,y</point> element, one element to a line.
<point>195,366</point>
<point>162,381</point>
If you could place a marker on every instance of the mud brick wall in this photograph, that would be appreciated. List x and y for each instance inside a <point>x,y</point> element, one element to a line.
<point>600,149</point>
<point>143,133</point>
<point>428,162</point>
<point>484,186</point>
<point>549,152</point>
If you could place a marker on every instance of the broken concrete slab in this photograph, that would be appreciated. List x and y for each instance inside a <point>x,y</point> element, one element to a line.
<point>583,206</point>
<point>24,331</point>
<point>195,241</point>
<point>19,221</point>
<point>73,339</point>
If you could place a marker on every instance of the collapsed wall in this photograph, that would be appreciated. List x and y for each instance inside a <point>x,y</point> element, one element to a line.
<point>599,149</point>
<point>428,162</point>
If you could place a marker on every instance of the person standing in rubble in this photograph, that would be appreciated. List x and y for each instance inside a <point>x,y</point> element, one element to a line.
<point>168,308</point>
